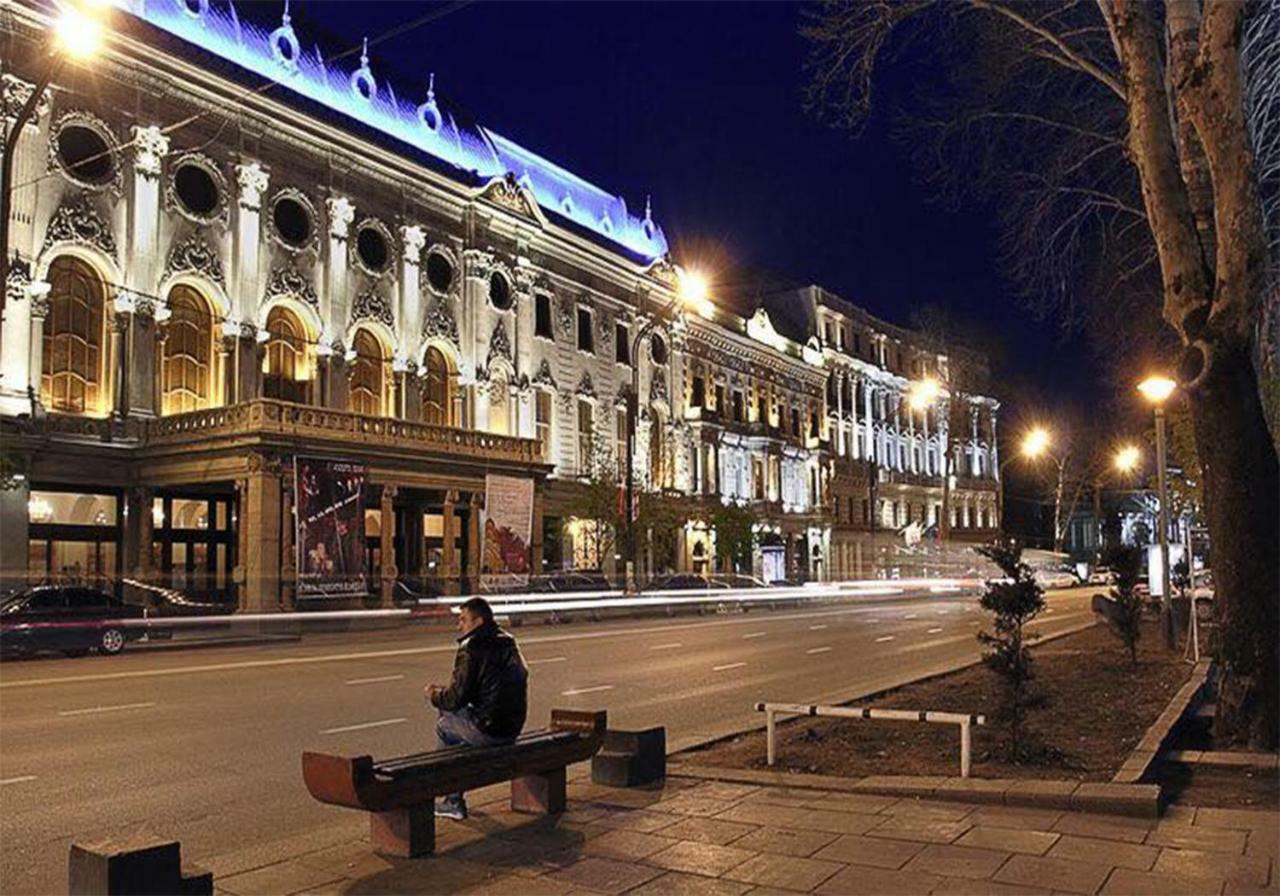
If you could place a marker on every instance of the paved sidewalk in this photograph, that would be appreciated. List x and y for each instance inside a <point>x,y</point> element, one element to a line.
<point>724,839</point>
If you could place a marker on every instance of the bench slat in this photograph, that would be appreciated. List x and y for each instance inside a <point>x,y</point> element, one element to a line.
<point>381,765</point>
<point>443,761</point>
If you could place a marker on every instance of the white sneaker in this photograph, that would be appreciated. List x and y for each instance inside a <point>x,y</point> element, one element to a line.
<point>452,808</point>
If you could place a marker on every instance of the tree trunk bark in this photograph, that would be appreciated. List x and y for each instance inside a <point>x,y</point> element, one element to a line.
<point>1242,480</point>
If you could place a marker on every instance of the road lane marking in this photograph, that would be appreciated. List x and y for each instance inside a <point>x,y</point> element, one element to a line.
<point>750,635</point>
<point>727,666</point>
<point>943,612</point>
<point>549,659</point>
<point>378,680</point>
<point>666,646</point>
<point>933,631</point>
<point>573,692</point>
<point>873,621</point>
<point>816,628</point>
<point>17,780</point>
<point>818,650</point>
<point>363,726</point>
<point>911,616</point>
<point>97,709</point>
<point>883,639</point>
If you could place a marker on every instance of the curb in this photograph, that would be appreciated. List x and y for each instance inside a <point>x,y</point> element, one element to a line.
<point>1158,736</point>
<point>1136,800</point>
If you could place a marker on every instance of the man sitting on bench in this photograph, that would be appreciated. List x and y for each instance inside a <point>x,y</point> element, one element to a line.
<point>486,703</point>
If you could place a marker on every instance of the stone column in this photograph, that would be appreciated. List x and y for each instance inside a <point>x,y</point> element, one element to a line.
<point>333,295</point>
<point>227,344</point>
<point>261,527</point>
<point>142,379</point>
<point>150,146</point>
<point>242,281</point>
<point>410,314</point>
<point>15,331</point>
<point>535,534</point>
<point>448,558</point>
<point>387,577</point>
<point>35,372</point>
<point>119,361</point>
<point>139,533</point>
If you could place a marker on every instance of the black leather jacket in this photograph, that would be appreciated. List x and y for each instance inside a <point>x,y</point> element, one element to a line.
<point>490,676</point>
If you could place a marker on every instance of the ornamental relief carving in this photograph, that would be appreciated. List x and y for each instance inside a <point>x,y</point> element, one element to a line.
<point>479,262</point>
<point>15,93</point>
<point>150,146</point>
<point>194,256</point>
<point>440,323</point>
<point>76,221</point>
<point>566,309</point>
<point>658,387</point>
<point>586,388</point>
<point>499,345</point>
<point>508,193</point>
<point>371,306</point>
<point>287,281</point>
<point>19,279</point>
<point>544,376</point>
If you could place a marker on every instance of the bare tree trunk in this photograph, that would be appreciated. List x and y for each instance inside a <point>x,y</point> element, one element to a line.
<point>1058,490</point>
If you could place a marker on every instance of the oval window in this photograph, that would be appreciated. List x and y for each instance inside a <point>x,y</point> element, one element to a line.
<point>658,349</point>
<point>439,272</point>
<point>292,221</point>
<point>196,189</point>
<point>499,291</point>
<point>372,249</point>
<point>85,154</point>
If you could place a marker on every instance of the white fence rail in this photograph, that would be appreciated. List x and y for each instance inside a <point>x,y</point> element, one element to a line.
<point>965,722</point>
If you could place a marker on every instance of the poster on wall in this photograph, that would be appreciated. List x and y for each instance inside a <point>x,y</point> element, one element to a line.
<point>330,520</point>
<point>508,524</point>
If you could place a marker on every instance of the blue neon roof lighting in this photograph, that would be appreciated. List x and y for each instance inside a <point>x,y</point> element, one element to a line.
<point>357,93</point>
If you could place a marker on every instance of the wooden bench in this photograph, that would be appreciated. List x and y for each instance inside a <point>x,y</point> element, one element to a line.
<point>400,793</point>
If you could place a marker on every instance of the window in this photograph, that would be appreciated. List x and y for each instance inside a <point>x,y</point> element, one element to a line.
<point>286,368</point>
<point>542,420</point>
<point>437,389</point>
<point>620,441</point>
<point>187,352</point>
<point>292,221</point>
<point>698,392</point>
<point>85,154</point>
<point>586,434</point>
<point>795,422</point>
<point>866,511</point>
<point>621,344</point>
<point>373,248</point>
<point>762,408</point>
<point>367,375</point>
<point>499,291</point>
<point>196,190</point>
<point>658,349</point>
<point>585,341</point>
<point>857,343</point>
<point>757,478</point>
<point>71,379</point>
<point>739,412</point>
<point>439,272</point>
<point>542,316</point>
<point>720,398</point>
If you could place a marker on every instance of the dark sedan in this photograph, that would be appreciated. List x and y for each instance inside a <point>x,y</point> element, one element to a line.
<point>67,619</point>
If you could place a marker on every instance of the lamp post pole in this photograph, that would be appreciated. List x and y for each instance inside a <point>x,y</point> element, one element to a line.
<point>1166,596</point>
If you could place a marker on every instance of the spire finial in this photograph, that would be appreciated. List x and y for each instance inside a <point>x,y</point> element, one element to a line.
<point>364,53</point>
<point>431,87</point>
<point>648,207</point>
<point>285,18</point>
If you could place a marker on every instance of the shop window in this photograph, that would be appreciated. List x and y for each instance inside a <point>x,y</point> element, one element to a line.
<point>188,351</point>
<point>71,379</point>
<point>286,368</point>
<point>368,375</point>
<point>72,537</point>
<point>437,388</point>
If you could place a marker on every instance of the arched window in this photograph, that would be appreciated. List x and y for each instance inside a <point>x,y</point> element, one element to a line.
<point>188,348</point>
<point>657,458</point>
<point>437,391</point>
<point>286,369</point>
<point>368,375</point>
<point>499,405</point>
<point>71,379</point>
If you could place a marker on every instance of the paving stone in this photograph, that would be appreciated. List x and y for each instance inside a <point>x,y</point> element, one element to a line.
<point>1033,843</point>
<point>784,872</point>
<point>937,809</point>
<point>1247,870</point>
<point>977,790</point>
<point>1056,874</point>
<point>1265,842</point>
<point>964,886</point>
<point>1185,836</point>
<point>1236,889</point>
<point>796,797</point>
<point>519,885</point>
<point>1040,794</point>
<point>857,881</point>
<point>1108,827</point>
<point>636,820</point>
<point>673,883</point>
<point>707,830</point>
<point>1020,817</point>
<point>1104,852</point>
<point>700,858</point>
<point>604,875</point>
<point>874,851</point>
<point>864,803</point>
<point>1126,882</point>
<point>767,815</point>
<point>724,790</point>
<point>1121,799</point>
<point>785,841</point>
<point>281,877</point>
<point>957,861</point>
<point>624,844</point>
<point>1238,819</point>
<point>921,830</point>
<point>692,804</point>
<point>912,785</point>
<point>340,858</point>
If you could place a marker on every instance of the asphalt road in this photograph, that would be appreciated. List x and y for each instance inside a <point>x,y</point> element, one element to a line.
<point>204,745</point>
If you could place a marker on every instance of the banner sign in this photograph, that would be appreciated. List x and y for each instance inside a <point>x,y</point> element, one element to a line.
<point>508,525</point>
<point>330,520</point>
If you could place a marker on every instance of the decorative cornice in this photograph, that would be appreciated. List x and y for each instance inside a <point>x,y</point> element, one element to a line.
<point>76,221</point>
<point>371,306</point>
<point>193,255</point>
<point>507,193</point>
<point>287,281</point>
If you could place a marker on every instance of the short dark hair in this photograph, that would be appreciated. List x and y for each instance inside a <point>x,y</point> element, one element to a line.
<point>478,606</point>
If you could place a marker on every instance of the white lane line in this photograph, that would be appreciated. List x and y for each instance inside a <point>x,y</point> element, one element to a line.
<point>548,659</point>
<point>818,650</point>
<point>17,780</point>
<point>363,726</point>
<point>573,692</point>
<point>816,628</point>
<point>885,638</point>
<point>672,646</point>
<point>943,612</point>
<point>911,616</point>
<point>976,622</point>
<point>1049,610</point>
<point>97,709</point>
<point>750,635</point>
<point>933,631</point>
<point>727,666</point>
<point>379,680</point>
<point>873,621</point>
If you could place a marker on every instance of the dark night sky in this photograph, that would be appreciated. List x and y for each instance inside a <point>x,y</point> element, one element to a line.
<point>699,104</point>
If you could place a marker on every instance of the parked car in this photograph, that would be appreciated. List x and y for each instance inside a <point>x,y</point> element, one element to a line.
<point>1101,576</point>
<point>579,580</point>
<point>1055,578</point>
<point>71,619</point>
<point>686,581</point>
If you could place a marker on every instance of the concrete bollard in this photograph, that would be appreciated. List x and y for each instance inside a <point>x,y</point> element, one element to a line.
<point>139,863</point>
<point>631,758</point>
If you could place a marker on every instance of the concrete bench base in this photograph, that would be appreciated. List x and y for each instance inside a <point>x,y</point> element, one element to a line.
<point>139,863</point>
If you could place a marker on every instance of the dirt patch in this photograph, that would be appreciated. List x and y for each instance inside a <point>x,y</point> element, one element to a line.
<point>1096,708</point>
<point>1228,788</point>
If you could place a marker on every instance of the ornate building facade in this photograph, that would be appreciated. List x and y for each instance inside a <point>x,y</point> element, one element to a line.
<point>213,279</point>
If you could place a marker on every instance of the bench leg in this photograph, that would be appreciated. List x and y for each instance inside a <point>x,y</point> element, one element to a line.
<point>404,833</point>
<point>542,794</point>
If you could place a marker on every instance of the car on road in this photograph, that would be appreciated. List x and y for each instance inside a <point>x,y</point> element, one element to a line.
<point>1101,576</point>
<point>1056,578</point>
<point>70,619</point>
<point>686,581</point>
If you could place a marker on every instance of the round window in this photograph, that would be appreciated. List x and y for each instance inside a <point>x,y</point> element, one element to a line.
<point>196,189</point>
<point>85,154</point>
<point>372,248</point>
<point>292,221</point>
<point>499,291</point>
<point>658,349</point>
<point>439,272</point>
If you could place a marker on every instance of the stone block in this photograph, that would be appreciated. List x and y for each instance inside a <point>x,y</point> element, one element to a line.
<point>1040,794</point>
<point>542,794</point>
<point>977,790</point>
<point>404,833</point>
<point>138,863</point>
<point>631,758</point>
<point>1138,800</point>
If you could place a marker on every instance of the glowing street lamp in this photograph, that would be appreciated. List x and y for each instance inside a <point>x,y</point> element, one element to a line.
<point>1036,443</point>
<point>924,393</point>
<point>78,32</point>
<point>1127,459</point>
<point>1157,389</point>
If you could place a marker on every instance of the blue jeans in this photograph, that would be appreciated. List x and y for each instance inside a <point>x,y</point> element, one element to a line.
<point>458,729</point>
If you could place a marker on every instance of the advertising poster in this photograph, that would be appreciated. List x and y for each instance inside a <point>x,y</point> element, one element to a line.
<point>508,523</point>
<point>330,517</point>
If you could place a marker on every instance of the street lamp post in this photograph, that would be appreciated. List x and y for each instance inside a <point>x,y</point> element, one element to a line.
<point>1157,389</point>
<point>1033,445</point>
